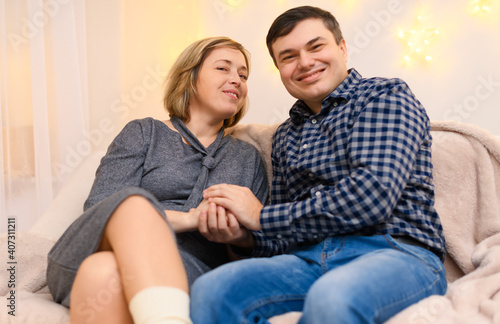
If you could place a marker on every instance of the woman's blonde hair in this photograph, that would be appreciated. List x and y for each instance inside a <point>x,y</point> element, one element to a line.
<point>182,77</point>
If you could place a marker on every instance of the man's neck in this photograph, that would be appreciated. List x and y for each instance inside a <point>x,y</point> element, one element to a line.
<point>314,106</point>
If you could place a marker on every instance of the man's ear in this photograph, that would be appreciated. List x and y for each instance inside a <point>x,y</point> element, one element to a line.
<point>343,48</point>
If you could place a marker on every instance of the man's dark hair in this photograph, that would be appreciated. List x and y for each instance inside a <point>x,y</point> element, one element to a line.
<point>287,21</point>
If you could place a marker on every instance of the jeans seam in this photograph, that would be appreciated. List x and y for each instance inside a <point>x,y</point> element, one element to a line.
<point>266,301</point>
<point>326,255</point>
<point>429,287</point>
<point>400,248</point>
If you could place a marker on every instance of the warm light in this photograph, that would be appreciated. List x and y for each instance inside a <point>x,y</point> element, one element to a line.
<point>418,40</point>
<point>233,3</point>
<point>480,6</point>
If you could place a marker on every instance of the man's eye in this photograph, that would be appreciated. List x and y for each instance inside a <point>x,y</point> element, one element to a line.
<point>317,46</point>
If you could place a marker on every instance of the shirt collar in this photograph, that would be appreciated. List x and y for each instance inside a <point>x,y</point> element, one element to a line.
<point>344,91</point>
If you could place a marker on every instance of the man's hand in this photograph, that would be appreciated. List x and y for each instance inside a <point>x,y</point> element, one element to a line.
<point>219,225</point>
<point>240,201</point>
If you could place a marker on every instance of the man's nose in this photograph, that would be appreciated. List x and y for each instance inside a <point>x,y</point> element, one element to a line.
<point>306,60</point>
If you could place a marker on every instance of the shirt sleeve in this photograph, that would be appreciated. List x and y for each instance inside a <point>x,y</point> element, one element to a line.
<point>122,165</point>
<point>260,184</point>
<point>262,246</point>
<point>388,128</point>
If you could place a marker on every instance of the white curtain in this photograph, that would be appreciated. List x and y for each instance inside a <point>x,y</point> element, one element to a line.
<point>72,73</point>
<point>44,100</point>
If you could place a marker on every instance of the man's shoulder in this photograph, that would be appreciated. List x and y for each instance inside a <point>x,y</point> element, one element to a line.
<point>380,83</point>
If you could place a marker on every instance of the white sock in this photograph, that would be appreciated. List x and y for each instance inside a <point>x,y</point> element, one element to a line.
<point>160,305</point>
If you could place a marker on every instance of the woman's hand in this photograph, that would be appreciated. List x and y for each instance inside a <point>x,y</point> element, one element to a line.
<point>186,222</point>
<point>219,225</point>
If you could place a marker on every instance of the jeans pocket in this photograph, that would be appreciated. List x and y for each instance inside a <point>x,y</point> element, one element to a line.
<point>423,255</point>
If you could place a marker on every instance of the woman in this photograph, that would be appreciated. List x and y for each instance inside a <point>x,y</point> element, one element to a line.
<point>136,249</point>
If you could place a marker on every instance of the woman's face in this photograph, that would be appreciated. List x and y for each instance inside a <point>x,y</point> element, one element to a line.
<point>221,87</point>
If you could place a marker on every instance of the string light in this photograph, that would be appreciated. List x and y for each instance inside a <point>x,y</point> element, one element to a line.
<point>418,41</point>
<point>480,6</point>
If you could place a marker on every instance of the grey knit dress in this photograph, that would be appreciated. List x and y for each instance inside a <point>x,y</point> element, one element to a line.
<point>149,159</point>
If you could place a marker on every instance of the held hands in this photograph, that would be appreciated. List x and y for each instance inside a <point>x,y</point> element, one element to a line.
<point>239,201</point>
<point>219,225</point>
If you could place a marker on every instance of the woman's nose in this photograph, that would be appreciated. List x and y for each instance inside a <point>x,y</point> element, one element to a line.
<point>234,78</point>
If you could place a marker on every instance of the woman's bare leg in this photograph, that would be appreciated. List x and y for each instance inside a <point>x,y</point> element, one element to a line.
<point>97,293</point>
<point>144,247</point>
<point>144,255</point>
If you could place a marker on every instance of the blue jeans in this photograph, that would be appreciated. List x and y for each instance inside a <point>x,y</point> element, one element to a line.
<point>347,279</point>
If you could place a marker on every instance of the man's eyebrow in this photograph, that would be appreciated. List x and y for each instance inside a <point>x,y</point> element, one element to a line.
<point>309,43</point>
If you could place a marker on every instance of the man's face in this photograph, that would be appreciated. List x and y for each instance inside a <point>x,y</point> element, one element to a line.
<point>310,62</point>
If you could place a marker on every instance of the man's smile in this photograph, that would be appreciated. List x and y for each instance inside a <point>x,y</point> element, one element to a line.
<point>311,76</point>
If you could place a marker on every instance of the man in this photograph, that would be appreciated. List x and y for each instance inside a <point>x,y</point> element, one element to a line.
<point>352,196</point>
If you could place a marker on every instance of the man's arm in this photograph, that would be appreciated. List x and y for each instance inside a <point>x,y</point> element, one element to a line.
<point>383,142</point>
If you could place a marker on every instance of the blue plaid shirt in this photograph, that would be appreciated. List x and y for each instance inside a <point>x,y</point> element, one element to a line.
<point>362,166</point>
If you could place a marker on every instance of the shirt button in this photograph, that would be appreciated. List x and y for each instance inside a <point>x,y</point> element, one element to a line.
<point>315,236</point>
<point>279,236</point>
<point>335,104</point>
<point>317,194</point>
<point>305,146</point>
<point>311,175</point>
<point>314,121</point>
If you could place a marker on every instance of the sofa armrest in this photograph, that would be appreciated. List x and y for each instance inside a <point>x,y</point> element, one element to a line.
<point>68,204</point>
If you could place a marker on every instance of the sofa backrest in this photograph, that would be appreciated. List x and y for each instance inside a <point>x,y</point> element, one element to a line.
<point>466,177</point>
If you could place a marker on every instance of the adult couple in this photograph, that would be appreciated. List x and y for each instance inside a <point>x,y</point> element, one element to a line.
<point>350,234</point>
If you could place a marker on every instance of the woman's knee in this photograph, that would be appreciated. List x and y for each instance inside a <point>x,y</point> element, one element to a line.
<point>135,203</point>
<point>97,291</point>
<point>136,208</point>
<point>133,211</point>
<point>98,277</point>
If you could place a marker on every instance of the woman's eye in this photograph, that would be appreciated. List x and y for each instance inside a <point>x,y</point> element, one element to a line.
<point>221,68</point>
<point>244,77</point>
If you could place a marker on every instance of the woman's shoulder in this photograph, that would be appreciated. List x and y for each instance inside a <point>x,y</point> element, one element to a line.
<point>145,126</point>
<point>144,122</point>
<point>239,144</point>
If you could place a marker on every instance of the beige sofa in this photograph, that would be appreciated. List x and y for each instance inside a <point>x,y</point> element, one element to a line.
<point>466,162</point>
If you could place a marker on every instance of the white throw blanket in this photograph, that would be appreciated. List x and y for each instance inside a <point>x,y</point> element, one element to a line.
<point>467,178</point>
